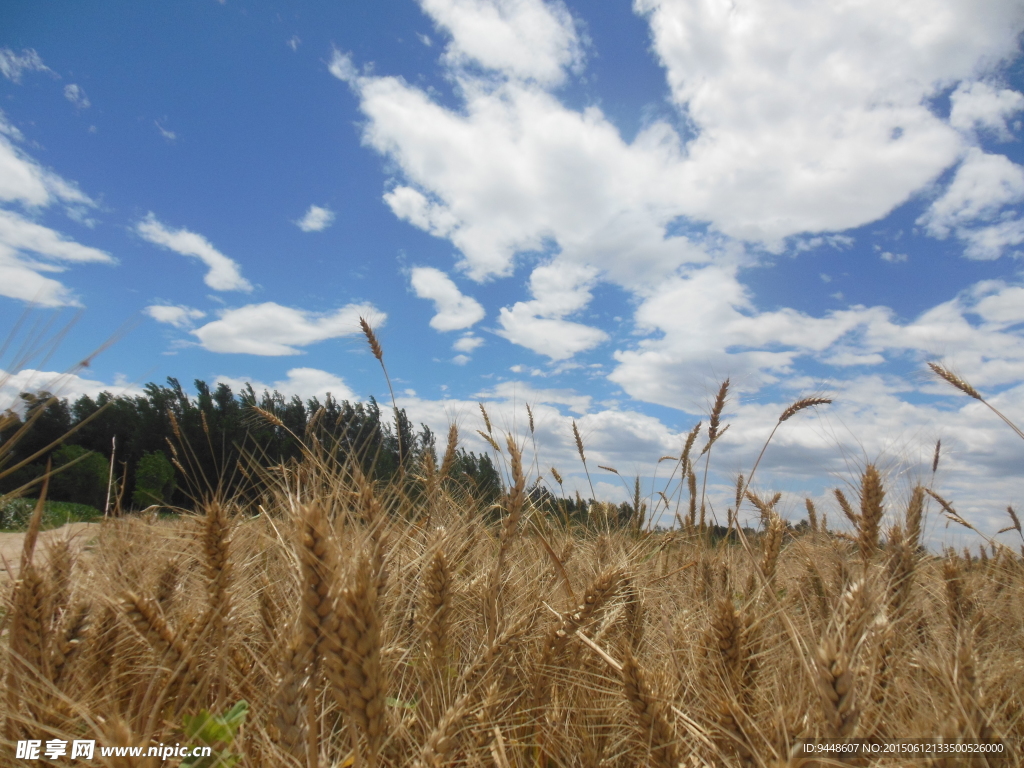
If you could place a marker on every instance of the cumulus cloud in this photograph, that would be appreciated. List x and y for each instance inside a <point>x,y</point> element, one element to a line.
<point>525,39</point>
<point>517,171</point>
<point>523,392</point>
<point>12,64</point>
<point>341,66</point>
<point>317,219</point>
<point>224,273</point>
<point>454,310</point>
<point>826,135</point>
<point>304,382</point>
<point>559,289</point>
<point>467,343</point>
<point>781,139</point>
<point>980,105</point>
<point>69,385</point>
<point>76,95</point>
<point>833,131</point>
<point>272,330</point>
<point>794,123</point>
<point>870,420</point>
<point>707,321</point>
<point>178,316</point>
<point>972,205</point>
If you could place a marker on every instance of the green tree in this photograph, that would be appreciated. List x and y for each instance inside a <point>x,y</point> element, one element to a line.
<point>154,479</point>
<point>82,476</point>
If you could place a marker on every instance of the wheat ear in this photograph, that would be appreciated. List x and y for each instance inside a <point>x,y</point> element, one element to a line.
<point>651,720</point>
<point>871,512</point>
<point>356,674</point>
<point>442,739</point>
<point>509,529</point>
<point>288,710</point>
<point>437,604</point>
<point>772,545</point>
<point>967,389</point>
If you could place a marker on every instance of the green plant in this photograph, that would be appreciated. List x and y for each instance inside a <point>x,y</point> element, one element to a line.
<point>217,732</point>
<point>154,479</point>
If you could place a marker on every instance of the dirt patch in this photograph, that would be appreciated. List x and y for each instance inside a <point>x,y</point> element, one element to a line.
<point>81,535</point>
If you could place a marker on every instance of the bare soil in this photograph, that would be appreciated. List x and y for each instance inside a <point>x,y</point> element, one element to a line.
<point>81,534</point>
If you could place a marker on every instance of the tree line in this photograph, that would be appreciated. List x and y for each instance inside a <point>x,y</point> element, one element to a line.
<point>170,448</point>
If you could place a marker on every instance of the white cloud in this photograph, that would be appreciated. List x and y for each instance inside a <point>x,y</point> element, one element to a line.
<point>558,339</point>
<point>271,329</point>
<point>461,359</point>
<point>23,180</point>
<point>977,104</point>
<point>814,117</point>
<point>224,274</point>
<point>76,95</point>
<point>341,66</point>
<point>804,119</point>
<point>817,450</point>
<point>893,258</point>
<point>167,134</point>
<point>522,392</point>
<point>559,289</point>
<point>527,39</point>
<point>294,42</point>
<point>21,234</point>
<point>317,219</point>
<point>707,322</point>
<point>69,385</point>
<point>983,186</point>
<point>795,121</point>
<point>304,382</point>
<point>467,343</point>
<point>28,249</point>
<point>178,316</point>
<point>12,65</point>
<point>454,310</point>
<point>992,241</point>
<point>516,171</point>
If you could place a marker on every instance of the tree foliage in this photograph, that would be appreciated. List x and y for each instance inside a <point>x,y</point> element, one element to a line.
<point>172,448</point>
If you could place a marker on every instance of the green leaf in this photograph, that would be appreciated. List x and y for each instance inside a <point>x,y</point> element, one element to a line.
<point>217,732</point>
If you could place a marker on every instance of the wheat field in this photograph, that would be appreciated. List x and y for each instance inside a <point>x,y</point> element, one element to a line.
<point>364,629</point>
<point>333,621</point>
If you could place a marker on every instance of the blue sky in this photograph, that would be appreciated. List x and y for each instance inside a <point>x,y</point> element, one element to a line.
<point>599,209</point>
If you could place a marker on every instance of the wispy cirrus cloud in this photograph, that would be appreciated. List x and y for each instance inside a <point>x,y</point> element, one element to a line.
<point>223,273</point>
<point>30,253</point>
<point>76,95</point>
<point>177,315</point>
<point>12,64</point>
